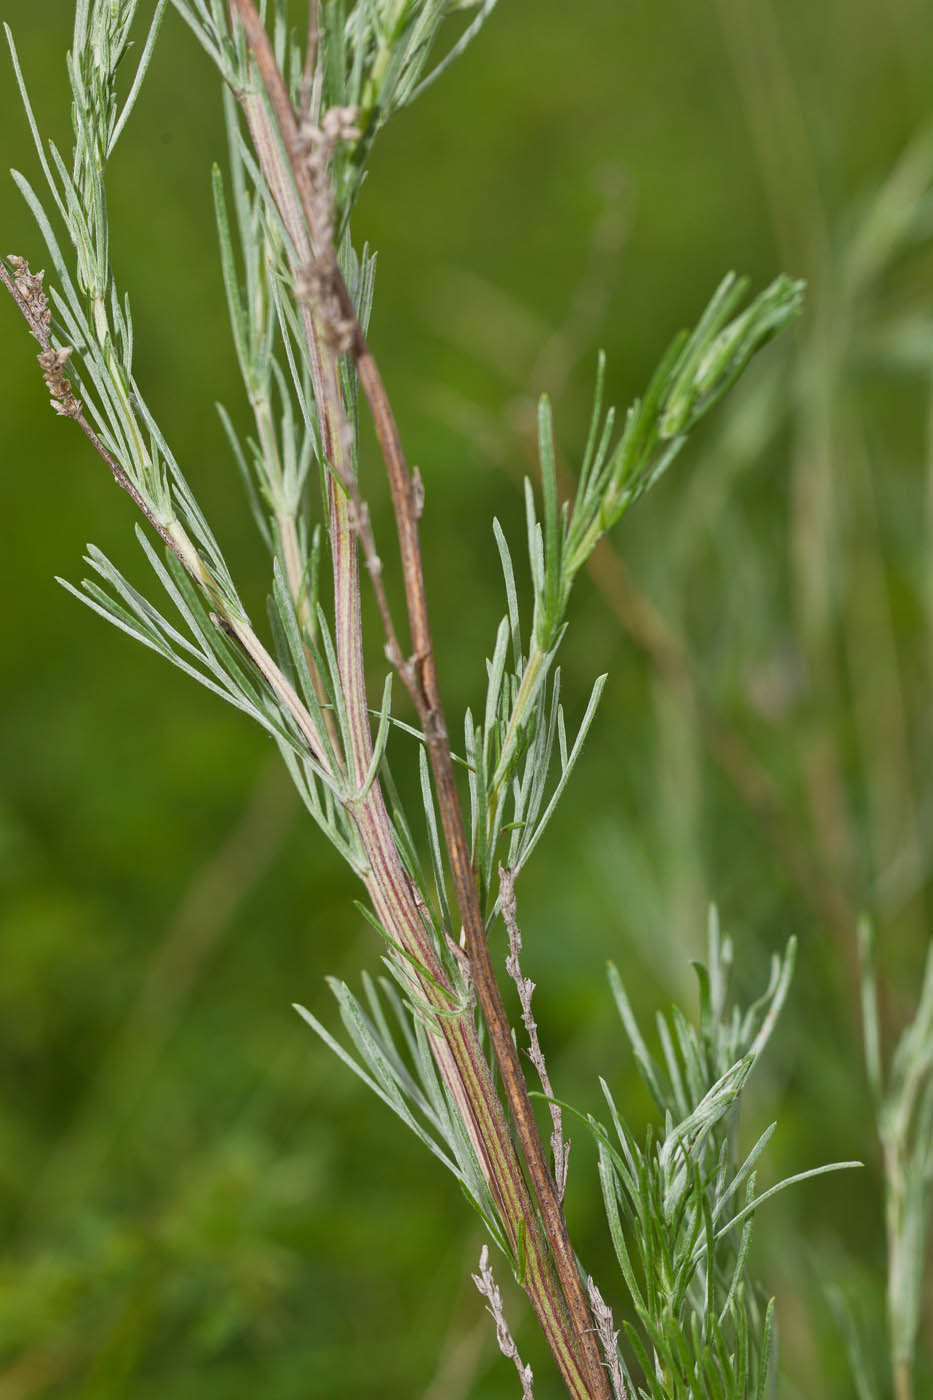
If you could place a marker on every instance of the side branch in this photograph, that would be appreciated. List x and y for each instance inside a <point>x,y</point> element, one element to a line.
<point>26,289</point>
<point>487,1286</point>
<point>560,1150</point>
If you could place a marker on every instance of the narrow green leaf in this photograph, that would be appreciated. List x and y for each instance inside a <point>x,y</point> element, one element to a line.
<point>767,1354</point>
<point>781,1186</point>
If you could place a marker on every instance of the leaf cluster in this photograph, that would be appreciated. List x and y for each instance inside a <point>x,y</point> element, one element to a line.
<point>378,56</point>
<point>394,1060</point>
<point>680,1204</point>
<point>510,755</point>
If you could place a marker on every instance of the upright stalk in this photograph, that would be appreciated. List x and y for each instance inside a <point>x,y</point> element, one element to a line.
<point>551,1276</point>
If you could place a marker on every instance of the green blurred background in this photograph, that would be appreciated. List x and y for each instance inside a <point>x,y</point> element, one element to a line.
<point>195,1198</point>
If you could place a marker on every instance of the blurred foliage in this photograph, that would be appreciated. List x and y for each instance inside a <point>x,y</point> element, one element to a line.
<point>196,1198</point>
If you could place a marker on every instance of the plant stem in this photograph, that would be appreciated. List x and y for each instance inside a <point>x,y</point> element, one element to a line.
<point>532,675</point>
<point>903,1380</point>
<point>456,1046</point>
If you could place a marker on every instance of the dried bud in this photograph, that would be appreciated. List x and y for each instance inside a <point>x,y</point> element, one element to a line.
<point>30,293</point>
<point>52,363</point>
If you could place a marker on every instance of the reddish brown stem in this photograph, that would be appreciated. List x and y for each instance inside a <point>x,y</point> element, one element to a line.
<point>420,676</point>
<point>426,694</point>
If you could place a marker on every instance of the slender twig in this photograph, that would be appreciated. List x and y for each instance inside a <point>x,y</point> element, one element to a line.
<point>608,1339</point>
<point>487,1286</point>
<point>560,1150</point>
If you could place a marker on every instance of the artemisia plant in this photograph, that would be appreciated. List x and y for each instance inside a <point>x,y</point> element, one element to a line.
<point>303,111</point>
